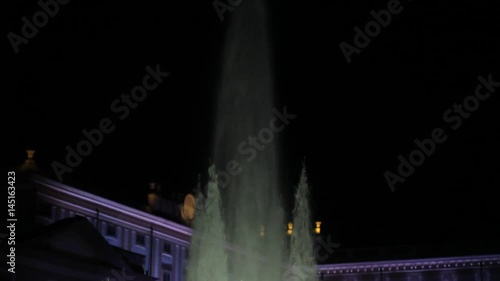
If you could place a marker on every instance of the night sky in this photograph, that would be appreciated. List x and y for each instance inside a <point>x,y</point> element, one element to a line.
<point>353,119</point>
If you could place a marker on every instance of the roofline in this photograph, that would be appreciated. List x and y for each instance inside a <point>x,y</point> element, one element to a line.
<point>156,220</point>
<point>100,201</point>
<point>411,264</point>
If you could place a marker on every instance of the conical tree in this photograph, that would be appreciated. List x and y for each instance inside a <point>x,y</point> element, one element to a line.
<point>210,261</point>
<point>302,257</point>
<point>198,223</point>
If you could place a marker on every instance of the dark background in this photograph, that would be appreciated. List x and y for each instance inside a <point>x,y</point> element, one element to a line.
<point>353,119</point>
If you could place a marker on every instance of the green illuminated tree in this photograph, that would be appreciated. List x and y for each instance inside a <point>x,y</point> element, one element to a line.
<point>302,257</point>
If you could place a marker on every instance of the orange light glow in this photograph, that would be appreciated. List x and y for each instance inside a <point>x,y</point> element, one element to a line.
<point>317,230</point>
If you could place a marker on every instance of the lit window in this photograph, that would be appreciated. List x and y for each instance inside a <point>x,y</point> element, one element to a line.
<point>140,240</point>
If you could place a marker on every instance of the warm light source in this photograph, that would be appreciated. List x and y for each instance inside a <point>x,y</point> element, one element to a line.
<point>188,208</point>
<point>29,164</point>
<point>290,228</point>
<point>262,230</point>
<point>30,153</point>
<point>152,199</point>
<point>317,230</point>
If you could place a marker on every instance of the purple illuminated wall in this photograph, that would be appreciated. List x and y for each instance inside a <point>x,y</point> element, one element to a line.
<point>478,268</point>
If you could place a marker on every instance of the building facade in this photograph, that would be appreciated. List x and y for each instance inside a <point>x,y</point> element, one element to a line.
<point>164,244</point>
<point>470,268</point>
